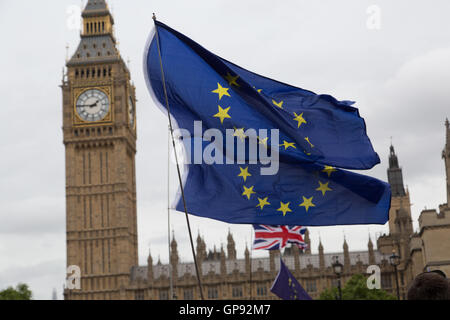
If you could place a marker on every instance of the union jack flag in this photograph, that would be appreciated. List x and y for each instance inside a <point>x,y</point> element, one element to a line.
<point>276,237</point>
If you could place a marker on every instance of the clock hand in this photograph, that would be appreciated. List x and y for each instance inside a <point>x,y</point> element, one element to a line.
<point>94,104</point>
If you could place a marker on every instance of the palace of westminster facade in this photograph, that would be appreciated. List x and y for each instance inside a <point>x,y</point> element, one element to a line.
<point>99,127</point>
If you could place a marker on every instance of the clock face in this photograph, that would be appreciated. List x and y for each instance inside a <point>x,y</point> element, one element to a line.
<point>92,105</point>
<point>131,111</point>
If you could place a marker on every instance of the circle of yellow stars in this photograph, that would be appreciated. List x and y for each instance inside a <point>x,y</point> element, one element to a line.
<point>223,113</point>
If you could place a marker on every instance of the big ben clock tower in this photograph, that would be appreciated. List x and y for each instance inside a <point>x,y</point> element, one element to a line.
<point>99,126</point>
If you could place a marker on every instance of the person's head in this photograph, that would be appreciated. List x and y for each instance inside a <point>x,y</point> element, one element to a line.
<point>430,286</point>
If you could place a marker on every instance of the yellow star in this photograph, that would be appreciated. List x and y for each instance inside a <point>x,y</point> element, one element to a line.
<point>307,140</point>
<point>263,202</point>
<point>221,91</point>
<point>239,133</point>
<point>222,114</point>
<point>329,170</point>
<point>323,187</point>
<point>278,104</point>
<point>284,207</point>
<point>232,80</point>
<point>248,191</point>
<point>288,144</point>
<point>299,118</point>
<point>263,141</point>
<point>244,173</point>
<point>259,90</point>
<point>307,202</point>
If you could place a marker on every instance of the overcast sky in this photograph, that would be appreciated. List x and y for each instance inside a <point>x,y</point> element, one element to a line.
<point>398,74</point>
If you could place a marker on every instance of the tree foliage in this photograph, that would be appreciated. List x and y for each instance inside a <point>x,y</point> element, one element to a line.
<point>21,292</point>
<point>356,289</point>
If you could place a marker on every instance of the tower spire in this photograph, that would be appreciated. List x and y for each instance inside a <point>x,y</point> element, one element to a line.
<point>95,6</point>
<point>395,175</point>
<point>98,44</point>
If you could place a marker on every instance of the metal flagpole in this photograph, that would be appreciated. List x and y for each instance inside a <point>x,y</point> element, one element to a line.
<point>176,159</point>
<point>251,262</point>
<point>168,213</point>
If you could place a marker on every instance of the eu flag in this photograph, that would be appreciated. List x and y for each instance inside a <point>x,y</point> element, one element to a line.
<point>259,151</point>
<point>287,287</point>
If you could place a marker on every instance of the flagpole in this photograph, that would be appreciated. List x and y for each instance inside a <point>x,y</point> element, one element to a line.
<point>168,213</point>
<point>251,261</point>
<point>176,159</point>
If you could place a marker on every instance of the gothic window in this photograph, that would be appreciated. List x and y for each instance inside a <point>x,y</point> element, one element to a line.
<point>139,295</point>
<point>99,54</point>
<point>76,73</point>
<point>104,72</point>
<point>103,26</point>
<point>94,46</point>
<point>188,294</point>
<point>213,293</point>
<point>87,73</point>
<point>386,281</point>
<point>163,295</point>
<point>87,27</point>
<point>261,290</point>
<point>311,286</point>
<point>237,292</point>
<point>99,73</point>
<point>93,73</point>
<point>88,55</point>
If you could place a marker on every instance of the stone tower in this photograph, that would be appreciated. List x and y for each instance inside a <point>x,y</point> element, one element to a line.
<point>99,129</point>
<point>400,221</point>
<point>446,157</point>
<point>231,246</point>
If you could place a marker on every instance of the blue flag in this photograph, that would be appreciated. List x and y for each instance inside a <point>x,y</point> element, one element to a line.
<point>287,287</point>
<point>259,151</point>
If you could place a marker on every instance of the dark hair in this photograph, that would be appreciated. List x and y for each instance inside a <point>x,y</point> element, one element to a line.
<point>429,286</point>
